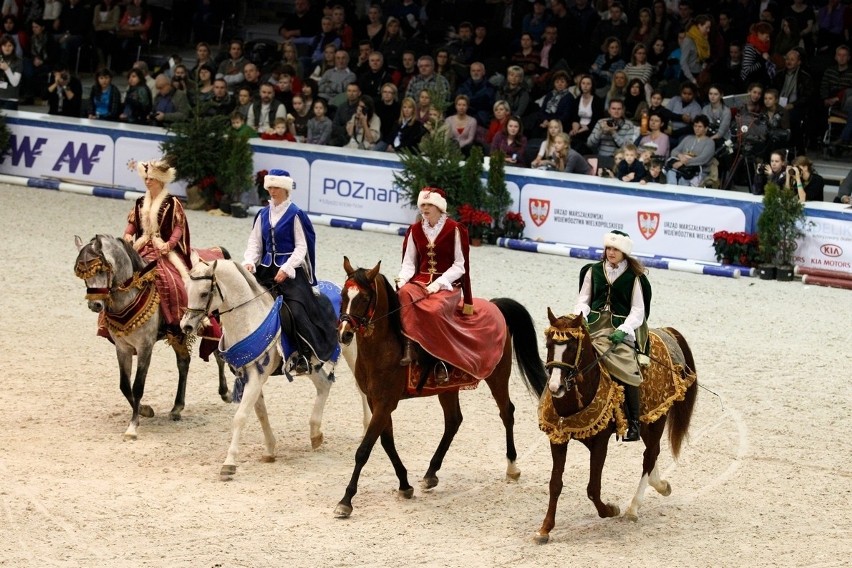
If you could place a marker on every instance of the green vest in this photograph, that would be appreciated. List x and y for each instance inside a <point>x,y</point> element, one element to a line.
<point>616,299</point>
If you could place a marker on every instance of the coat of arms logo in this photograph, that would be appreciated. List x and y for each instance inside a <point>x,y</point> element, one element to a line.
<point>648,223</point>
<point>539,210</point>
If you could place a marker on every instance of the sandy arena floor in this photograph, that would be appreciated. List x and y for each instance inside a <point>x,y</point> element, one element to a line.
<point>764,480</point>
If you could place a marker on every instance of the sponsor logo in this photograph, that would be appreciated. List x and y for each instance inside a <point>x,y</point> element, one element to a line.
<point>539,210</point>
<point>648,223</point>
<point>79,158</point>
<point>24,149</point>
<point>360,190</point>
<point>831,250</point>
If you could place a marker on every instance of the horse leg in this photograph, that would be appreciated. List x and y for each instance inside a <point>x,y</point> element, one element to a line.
<point>143,361</point>
<point>251,394</point>
<point>558,452</point>
<point>183,357</point>
<point>323,386</point>
<point>378,422</point>
<point>651,436</point>
<point>125,367</point>
<point>268,455</point>
<point>452,422</point>
<point>500,392</point>
<point>405,489</point>
<point>598,446</point>
<point>223,382</point>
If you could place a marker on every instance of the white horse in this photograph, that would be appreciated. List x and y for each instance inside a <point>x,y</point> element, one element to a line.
<point>244,307</point>
<point>121,284</point>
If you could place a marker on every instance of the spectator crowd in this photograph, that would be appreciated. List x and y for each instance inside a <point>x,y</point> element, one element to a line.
<point>633,90</point>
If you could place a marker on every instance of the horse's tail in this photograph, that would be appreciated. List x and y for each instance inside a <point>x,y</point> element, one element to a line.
<point>521,327</point>
<point>680,413</point>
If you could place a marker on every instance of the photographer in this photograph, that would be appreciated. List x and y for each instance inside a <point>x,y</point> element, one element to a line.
<point>65,94</point>
<point>809,184</point>
<point>364,128</point>
<point>773,172</point>
<point>182,82</point>
<point>610,134</point>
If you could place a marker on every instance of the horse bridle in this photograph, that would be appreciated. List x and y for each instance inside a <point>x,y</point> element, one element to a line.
<point>361,324</point>
<point>575,374</point>
<point>213,285</point>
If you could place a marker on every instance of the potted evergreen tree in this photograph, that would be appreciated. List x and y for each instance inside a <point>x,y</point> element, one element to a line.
<point>778,228</point>
<point>215,163</point>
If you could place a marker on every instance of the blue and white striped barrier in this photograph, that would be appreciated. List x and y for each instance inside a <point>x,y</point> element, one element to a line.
<point>57,185</point>
<point>590,253</point>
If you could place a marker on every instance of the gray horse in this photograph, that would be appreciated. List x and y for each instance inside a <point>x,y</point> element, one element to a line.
<point>120,284</point>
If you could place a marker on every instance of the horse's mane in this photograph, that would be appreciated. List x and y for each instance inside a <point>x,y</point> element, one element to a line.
<point>250,279</point>
<point>136,260</point>
<point>360,277</point>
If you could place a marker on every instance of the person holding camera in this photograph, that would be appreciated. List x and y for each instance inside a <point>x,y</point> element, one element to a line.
<point>65,94</point>
<point>809,184</point>
<point>364,128</point>
<point>138,100</point>
<point>104,98</point>
<point>773,172</point>
<point>610,134</point>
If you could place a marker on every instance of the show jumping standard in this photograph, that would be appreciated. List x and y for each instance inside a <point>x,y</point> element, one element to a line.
<point>370,310</point>
<point>247,312</point>
<point>120,285</point>
<point>582,402</point>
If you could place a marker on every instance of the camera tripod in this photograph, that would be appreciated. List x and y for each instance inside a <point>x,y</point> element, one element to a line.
<point>740,160</point>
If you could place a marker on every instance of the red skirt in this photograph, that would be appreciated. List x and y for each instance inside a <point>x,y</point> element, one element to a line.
<point>473,343</point>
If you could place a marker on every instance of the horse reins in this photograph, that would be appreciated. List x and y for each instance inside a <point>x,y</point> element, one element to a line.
<point>362,324</point>
<point>214,284</point>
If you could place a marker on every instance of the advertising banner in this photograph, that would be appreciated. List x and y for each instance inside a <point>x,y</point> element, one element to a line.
<point>827,245</point>
<point>296,166</point>
<point>679,229</point>
<point>358,190</point>
<point>82,157</point>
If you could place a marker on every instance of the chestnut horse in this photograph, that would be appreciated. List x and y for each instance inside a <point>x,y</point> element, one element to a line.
<point>582,402</point>
<point>370,309</point>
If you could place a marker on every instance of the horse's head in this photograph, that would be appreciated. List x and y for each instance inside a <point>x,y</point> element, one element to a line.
<point>96,265</point>
<point>565,339</point>
<point>357,301</point>
<point>203,295</point>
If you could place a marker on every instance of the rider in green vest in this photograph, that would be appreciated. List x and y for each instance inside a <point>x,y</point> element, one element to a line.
<point>615,299</point>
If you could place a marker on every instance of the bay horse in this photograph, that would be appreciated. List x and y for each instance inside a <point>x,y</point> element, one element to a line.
<point>120,283</point>
<point>246,307</point>
<point>370,309</point>
<point>584,403</point>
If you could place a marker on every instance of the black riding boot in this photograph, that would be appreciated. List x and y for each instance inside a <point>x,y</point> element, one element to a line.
<point>631,399</point>
<point>407,353</point>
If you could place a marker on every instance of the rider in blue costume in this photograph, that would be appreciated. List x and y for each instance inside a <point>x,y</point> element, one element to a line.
<point>615,298</point>
<point>281,254</point>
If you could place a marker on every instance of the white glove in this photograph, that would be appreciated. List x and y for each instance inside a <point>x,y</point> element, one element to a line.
<point>433,287</point>
<point>249,266</point>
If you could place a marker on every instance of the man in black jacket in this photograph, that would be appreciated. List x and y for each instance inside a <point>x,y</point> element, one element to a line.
<point>65,94</point>
<point>796,88</point>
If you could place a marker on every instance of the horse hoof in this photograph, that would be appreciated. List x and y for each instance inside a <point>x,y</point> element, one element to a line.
<point>316,441</point>
<point>130,436</point>
<point>227,471</point>
<point>146,411</point>
<point>541,538</point>
<point>266,459</point>
<point>406,493</point>
<point>513,476</point>
<point>614,510</point>
<point>632,517</point>
<point>227,397</point>
<point>667,490</point>
<point>175,416</point>
<point>429,483</point>
<point>342,511</point>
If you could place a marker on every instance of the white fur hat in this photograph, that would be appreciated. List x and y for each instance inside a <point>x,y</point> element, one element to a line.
<point>279,178</point>
<point>433,196</point>
<point>619,240</point>
<point>156,169</point>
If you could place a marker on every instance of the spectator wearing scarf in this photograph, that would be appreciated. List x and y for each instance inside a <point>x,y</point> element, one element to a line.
<point>695,50</point>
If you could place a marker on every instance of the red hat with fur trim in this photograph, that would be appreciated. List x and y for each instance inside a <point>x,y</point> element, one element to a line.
<point>434,196</point>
